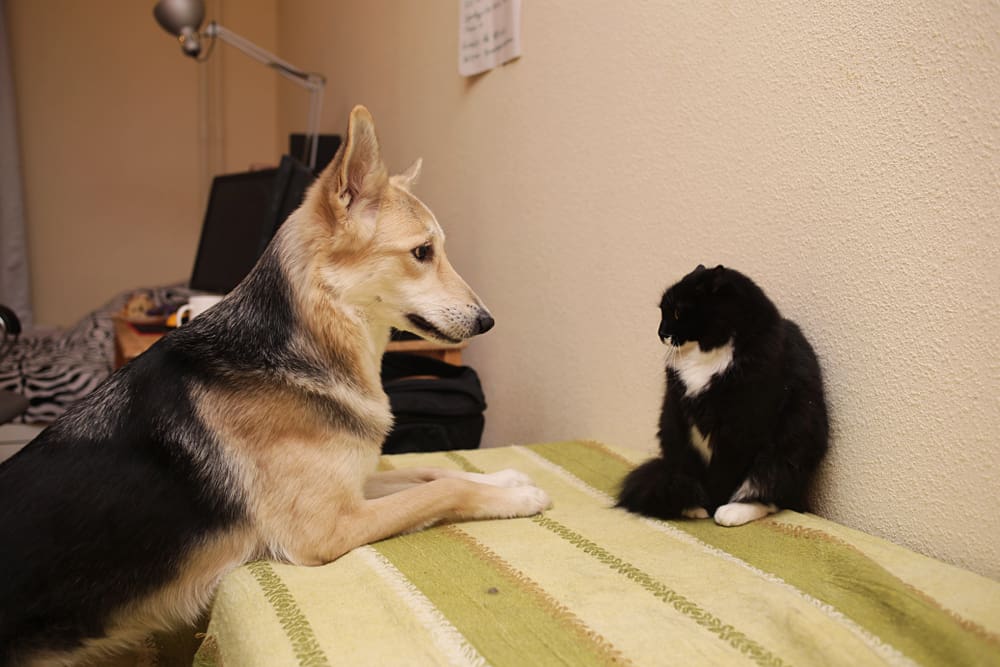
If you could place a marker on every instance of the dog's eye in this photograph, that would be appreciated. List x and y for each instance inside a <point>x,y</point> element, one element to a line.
<point>677,314</point>
<point>423,253</point>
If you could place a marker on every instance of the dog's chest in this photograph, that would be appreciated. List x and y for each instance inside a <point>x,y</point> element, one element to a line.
<point>365,415</point>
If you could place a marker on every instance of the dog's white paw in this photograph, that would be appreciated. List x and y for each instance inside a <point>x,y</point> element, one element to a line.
<point>737,514</point>
<point>527,501</point>
<point>507,478</point>
<point>695,513</point>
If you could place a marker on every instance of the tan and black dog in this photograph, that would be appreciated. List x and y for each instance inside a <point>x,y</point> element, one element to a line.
<point>252,432</point>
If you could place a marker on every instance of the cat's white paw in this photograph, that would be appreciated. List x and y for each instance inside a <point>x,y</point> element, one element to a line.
<point>695,513</point>
<point>737,514</point>
<point>506,478</point>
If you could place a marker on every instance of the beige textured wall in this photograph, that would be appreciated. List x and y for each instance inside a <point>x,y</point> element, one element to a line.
<point>112,142</point>
<point>844,156</point>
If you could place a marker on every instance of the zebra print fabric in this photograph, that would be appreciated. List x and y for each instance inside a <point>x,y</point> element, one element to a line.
<point>54,368</point>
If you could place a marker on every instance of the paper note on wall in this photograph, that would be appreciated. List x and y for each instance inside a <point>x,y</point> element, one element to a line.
<point>489,34</point>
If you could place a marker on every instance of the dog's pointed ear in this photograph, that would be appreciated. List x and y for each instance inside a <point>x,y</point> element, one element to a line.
<point>408,178</point>
<point>357,176</point>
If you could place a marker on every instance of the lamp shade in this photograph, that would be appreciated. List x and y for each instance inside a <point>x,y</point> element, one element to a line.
<point>183,19</point>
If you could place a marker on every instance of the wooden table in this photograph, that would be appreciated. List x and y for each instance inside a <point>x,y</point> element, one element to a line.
<point>130,343</point>
<point>451,354</point>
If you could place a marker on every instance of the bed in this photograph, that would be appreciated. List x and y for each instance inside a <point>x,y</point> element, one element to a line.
<point>586,584</point>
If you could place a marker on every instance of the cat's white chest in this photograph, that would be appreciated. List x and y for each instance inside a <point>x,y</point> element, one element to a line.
<point>697,367</point>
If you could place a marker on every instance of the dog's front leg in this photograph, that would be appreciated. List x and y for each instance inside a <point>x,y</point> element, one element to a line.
<point>393,481</point>
<point>424,504</point>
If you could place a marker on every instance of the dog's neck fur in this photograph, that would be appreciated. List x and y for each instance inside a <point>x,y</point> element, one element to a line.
<point>340,328</point>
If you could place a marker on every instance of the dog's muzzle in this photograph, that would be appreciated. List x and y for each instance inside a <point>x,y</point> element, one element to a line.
<point>481,322</point>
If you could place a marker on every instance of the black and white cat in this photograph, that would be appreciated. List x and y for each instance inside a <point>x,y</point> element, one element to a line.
<point>744,424</point>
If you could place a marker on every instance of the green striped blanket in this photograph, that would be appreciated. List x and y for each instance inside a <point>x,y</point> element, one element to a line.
<point>584,584</point>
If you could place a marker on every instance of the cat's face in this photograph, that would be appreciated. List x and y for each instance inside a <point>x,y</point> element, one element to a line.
<point>702,307</point>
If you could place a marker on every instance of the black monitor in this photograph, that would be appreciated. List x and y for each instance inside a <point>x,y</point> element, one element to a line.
<point>290,185</point>
<point>326,148</point>
<point>244,211</point>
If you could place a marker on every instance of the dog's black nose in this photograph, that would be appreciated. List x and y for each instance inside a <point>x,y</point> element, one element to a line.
<point>484,321</point>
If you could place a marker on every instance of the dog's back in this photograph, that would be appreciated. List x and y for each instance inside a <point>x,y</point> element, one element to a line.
<point>253,431</point>
<point>103,508</point>
<point>130,486</point>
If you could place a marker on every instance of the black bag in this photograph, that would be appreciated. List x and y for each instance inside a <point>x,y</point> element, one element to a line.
<point>436,405</point>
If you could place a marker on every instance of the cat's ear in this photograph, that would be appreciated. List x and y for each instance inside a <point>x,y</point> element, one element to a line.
<point>721,280</point>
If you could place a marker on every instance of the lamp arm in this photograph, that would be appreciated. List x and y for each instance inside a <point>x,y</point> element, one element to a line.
<point>311,81</point>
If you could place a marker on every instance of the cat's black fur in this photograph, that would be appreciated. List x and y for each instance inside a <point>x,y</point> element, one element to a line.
<point>765,414</point>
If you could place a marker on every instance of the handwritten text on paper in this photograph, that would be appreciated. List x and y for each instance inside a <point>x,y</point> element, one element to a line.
<point>489,34</point>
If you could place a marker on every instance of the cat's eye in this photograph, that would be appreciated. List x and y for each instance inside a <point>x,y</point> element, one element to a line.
<point>423,253</point>
<point>677,314</point>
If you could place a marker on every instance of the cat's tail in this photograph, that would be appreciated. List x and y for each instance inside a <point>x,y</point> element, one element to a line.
<point>655,490</point>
